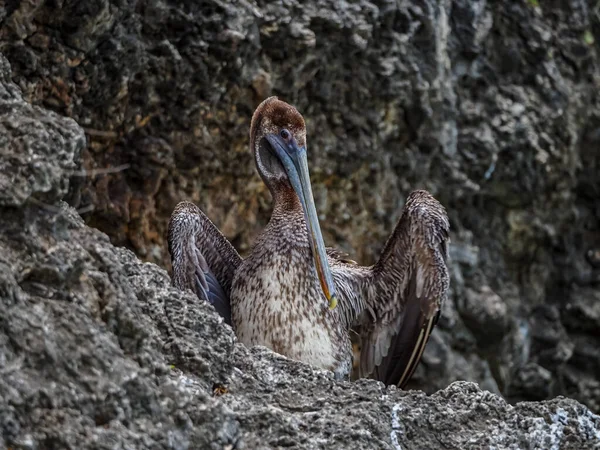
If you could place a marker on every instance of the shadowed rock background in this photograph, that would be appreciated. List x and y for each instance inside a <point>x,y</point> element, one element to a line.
<point>491,106</point>
<point>98,351</point>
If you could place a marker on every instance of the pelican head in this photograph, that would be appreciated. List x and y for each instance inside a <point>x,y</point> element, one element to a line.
<point>278,142</point>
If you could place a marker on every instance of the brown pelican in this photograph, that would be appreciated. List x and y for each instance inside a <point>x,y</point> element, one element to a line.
<point>279,295</point>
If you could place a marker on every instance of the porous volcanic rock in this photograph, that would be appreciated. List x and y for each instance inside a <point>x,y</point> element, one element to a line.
<point>492,106</point>
<point>98,351</point>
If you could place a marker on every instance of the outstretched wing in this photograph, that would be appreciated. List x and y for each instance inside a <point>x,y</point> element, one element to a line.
<point>203,259</point>
<point>398,300</point>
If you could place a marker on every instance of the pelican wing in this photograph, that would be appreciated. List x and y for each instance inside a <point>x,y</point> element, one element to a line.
<point>398,300</point>
<point>203,259</point>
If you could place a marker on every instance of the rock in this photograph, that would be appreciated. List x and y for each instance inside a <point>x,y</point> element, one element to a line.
<point>583,311</point>
<point>485,312</point>
<point>550,340</point>
<point>35,170</point>
<point>492,106</point>
<point>97,350</point>
<point>593,257</point>
<point>532,378</point>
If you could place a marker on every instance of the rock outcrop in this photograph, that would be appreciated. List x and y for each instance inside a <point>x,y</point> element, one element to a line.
<point>492,106</point>
<point>98,351</point>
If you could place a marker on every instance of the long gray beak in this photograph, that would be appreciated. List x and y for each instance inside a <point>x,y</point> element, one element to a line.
<point>295,163</point>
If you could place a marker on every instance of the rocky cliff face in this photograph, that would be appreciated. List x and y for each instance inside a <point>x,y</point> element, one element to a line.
<point>98,351</point>
<point>492,106</point>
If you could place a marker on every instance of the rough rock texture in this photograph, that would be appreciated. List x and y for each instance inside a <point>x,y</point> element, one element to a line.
<point>98,351</point>
<point>492,106</point>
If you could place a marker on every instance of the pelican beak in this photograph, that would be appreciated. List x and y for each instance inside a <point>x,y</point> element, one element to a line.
<point>295,163</point>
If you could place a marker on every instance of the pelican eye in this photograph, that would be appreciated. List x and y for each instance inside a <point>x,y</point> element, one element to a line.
<point>285,134</point>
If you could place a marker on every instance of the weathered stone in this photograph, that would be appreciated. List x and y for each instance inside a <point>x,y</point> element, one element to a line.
<point>98,351</point>
<point>484,312</point>
<point>31,166</point>
<point>492,106</point>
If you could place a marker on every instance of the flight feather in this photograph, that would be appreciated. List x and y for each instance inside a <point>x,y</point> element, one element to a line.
<point>396,302</point>
<point>203,259</point>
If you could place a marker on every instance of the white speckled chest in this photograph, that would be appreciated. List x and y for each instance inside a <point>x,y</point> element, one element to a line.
<point>276,301</point>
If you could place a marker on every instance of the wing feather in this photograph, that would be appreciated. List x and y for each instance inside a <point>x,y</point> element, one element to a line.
<point>397,301</point>
<point>203,259</point>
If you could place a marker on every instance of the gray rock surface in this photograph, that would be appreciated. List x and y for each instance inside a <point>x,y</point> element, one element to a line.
<point>492,106</point>
<point>30,138</point>
<point>97,351</point>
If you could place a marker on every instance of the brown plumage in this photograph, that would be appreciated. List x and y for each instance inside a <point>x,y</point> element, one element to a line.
<point>278,295</point>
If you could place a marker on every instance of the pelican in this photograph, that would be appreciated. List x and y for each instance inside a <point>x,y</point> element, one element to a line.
<point>301,299</point>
